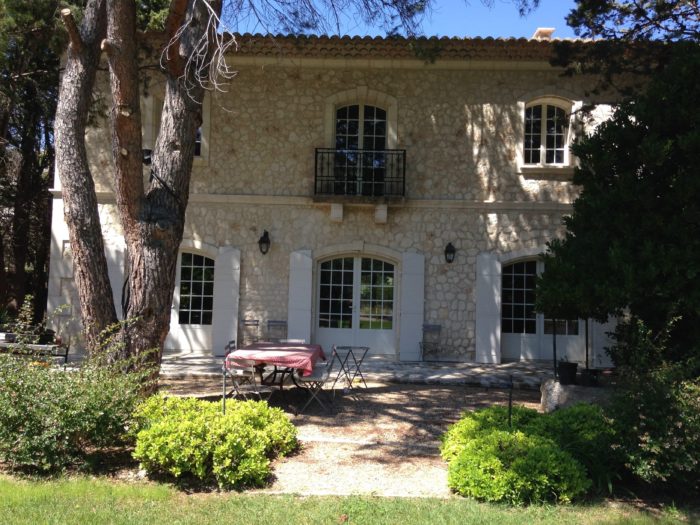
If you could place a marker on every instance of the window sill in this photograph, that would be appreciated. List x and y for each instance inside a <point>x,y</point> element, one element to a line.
<point>554,173</point>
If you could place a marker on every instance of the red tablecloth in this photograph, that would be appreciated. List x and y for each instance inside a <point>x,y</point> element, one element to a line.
<point>289,355</point>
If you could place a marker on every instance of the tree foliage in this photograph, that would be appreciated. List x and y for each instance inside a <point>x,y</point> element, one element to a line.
<point>30,46</point>
<point>633,241</point>
<point>632,40</point>
<point>634,20</point>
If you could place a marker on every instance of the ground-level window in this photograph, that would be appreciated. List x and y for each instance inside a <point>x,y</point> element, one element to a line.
<point>376,295</point>
<point>196,289</point>
<point>518,298</point>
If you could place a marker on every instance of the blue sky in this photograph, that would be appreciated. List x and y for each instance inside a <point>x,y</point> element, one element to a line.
<point>455,18</point>
<point>464,18</point>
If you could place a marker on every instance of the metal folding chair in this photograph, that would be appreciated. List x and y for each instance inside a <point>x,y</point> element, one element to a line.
<point>430,345</point>
<point>276,330</point>
<point>350,358</point>
<point>251,331</point>
<point>314,383</point>
<point>244,377</point>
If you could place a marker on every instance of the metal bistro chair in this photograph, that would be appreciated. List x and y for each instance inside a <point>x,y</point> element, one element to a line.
<point>430,345</point>
<point>244,378</point>
<point>350,358</point>
<point>276,330</point>
<point>251,331</point>
<point>314,383</point>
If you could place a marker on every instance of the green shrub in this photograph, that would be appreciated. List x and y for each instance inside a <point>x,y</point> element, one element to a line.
<point>51,418</point>
<point>498,465</point>
<point>583,431</point>
<point>191,437</point>
<point>580,433</point>
<point>657,424</point>
<point>474,423</point>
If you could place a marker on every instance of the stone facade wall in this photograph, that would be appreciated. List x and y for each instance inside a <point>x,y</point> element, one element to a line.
<point>449,290</point>
<point>462,131</point>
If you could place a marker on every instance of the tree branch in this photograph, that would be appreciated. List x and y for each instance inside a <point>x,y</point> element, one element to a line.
<point>175,20</point>
<point>76,42</point>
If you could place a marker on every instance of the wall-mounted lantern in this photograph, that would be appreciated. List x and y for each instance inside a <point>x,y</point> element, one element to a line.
<point>264,242</point>
<point>450,252</point>
<point>146,157</point>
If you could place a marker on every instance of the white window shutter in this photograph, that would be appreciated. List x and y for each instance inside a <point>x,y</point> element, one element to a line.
<point>488,308</point>
<point>412,298</point>
<point>300,295</point>
<point>227,277</point>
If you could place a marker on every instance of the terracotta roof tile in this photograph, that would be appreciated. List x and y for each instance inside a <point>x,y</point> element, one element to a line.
<point>422,48</point>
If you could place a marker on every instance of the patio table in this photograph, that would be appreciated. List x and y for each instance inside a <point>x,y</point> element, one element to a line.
<point>288,356</point>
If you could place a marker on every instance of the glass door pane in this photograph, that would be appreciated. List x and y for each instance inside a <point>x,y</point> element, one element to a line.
<point>336,293</point>
<point>376,295</point>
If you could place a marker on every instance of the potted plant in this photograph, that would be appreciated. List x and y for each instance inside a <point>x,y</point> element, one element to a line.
<point>567,372</point>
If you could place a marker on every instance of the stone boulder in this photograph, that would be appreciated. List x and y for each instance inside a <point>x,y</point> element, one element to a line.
<point>555,395</point>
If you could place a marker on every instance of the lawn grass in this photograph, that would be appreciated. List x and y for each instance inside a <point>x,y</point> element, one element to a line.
<point>83,500</point>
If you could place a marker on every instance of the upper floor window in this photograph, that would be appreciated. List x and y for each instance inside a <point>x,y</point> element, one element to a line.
<point>152,109</point>
<point>546,134</point>
<point>360,126</point>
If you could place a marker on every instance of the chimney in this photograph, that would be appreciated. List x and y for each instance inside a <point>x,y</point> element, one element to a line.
<point>543,33</point>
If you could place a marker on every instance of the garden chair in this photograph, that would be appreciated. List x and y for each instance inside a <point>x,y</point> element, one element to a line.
<point>350,359</point>
<point>245,378</point>
<point>251,331</point>
<point>276,330</point>
<point>314,383</point>
<point>430,345</point>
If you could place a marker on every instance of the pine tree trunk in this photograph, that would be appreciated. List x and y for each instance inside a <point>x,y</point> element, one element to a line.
<point>79,198</point>
<point>153,220</point>
<point>25,196</point>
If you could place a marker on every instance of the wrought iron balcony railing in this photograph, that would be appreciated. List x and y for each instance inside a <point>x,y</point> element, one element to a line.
<point>361,172</point>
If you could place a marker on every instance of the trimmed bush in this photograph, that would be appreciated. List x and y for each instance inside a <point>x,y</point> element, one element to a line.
<point>51,418</point>
<point>499,465</point>
<point>587,435</point>
<point>473,424</point>
<point>535,464</point>
<point>189,437</point>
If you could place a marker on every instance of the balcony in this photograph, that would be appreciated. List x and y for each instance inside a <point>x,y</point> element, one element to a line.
<point>360,173</point>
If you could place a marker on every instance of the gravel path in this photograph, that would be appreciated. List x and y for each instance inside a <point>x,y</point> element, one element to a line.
<point>385,441</point>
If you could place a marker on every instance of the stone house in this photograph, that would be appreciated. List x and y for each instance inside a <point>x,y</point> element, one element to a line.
<point>353,190</point>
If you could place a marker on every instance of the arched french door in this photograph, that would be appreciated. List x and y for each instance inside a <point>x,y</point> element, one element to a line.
<point>525,334</point>
<point>193,303</point>
<point>356,303</point>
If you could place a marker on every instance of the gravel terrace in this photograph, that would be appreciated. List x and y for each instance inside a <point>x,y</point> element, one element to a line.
<point>384,441</point>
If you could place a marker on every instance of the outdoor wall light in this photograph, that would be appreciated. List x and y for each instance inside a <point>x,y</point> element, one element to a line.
<point>450,252</point>
<point>264,242</point>
<point>146,156</point>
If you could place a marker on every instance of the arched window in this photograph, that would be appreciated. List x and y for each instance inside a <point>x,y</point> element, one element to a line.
<point>546,133</point>
<point>196,289</point>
